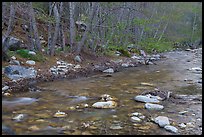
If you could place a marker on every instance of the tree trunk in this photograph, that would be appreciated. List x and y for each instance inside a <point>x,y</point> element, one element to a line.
<point>35,30</point>
<point>72,24</point>
<point>49,29</point>
<point>91,15</point>
<point>54,39</point>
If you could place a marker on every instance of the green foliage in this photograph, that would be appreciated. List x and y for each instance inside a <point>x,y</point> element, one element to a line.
<point>150,45</point>
<point>24,54</point>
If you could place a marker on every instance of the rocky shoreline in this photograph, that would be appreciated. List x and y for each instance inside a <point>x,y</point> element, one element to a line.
<point>24,84</point>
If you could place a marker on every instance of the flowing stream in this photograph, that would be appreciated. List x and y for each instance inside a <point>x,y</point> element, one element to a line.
<point>69,96</point>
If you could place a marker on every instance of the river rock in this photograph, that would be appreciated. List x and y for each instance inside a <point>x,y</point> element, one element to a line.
<point>108,104</point>
<point>5,88</point>
<point>182,125</point>
<point>31,53</point>
<point>146,99</point>
<point>171,128</point>
<point>14,62</point>
<point>19,117</point>
<point>77,59</point>
<point>162,121</point>
<point>110,70</point>
<point>151,106</point>
<point>30,62</point>
<point>116,127</point>
<point>106,97</point>
<point>125,65</point>
<point>15,72</point>
<point>196,69</point>
<point>135,119</point>
<point>59,114</point>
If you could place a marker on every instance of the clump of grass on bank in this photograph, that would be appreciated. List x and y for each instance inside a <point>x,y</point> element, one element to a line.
<point>151,45</point>
<point>24,54</point>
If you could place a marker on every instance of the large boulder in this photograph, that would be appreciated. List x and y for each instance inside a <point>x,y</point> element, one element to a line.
<point>17,72</point>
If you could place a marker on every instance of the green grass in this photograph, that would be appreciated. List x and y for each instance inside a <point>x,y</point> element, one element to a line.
<point>150,45</point>
<point>24,54</point>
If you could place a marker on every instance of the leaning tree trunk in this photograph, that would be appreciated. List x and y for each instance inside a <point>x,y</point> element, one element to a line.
<point>34,26</point>
<point>91,15</point>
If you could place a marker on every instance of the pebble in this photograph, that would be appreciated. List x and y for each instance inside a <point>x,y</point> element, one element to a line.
<point>60,114</point>
<point>135,119</point>
<point>183,112</point>
<point>151,106</point>
<point>30,62</point>
<point>31,53</point>
<point>19,117</point>
<point>171,128</point>
<point>182,125</point>
<point>110,70</point>
<point>116,127</point>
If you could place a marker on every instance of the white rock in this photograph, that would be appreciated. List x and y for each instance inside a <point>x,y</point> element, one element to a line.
<point>110,70</point>
<point>151,106</point>
<point>108,104</point>
<point>162,121</point>
<point>31,53</point>
<point>182,125</point>
<point>19,117</point>
<point>146,99</point>
<point>78,59</point>
<point>116,127</point>
<point>135,57</point>
<point>77,67</point>
<point>182,112</point>
<point>13,57</point>
<point>30,62</point>
<point>171,128</point>
<point>125,65</point>
<point>135,119</point>
<point>5,88</point>
<point>60,114</point>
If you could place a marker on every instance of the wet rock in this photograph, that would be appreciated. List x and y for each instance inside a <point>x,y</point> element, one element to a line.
<point>106,97</point>
<point>135,57</point>
<point>17,72</point>
<point>110,70</point>
<point>171,128</point>
<point>182,125</point>
<point>151,106</point>
<point>77,59</point>
<point>162,121</point>
<point>135,119</point>
<point>6,94</point>
<point>77,67</point>
<point>146,99</point>
<point>59,114</point>
<point>108,104</point>
<point>116,127</point>
<point>19,117</point>
<point>30,62</point>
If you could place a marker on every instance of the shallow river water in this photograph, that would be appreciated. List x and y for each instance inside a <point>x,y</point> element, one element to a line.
<point>69,96</point>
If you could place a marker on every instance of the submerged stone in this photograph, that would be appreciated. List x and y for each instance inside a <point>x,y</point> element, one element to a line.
<point>171,128</point>
<point>151,106</point>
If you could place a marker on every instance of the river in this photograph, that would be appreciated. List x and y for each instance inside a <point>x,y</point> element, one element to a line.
<point>75,97</point>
